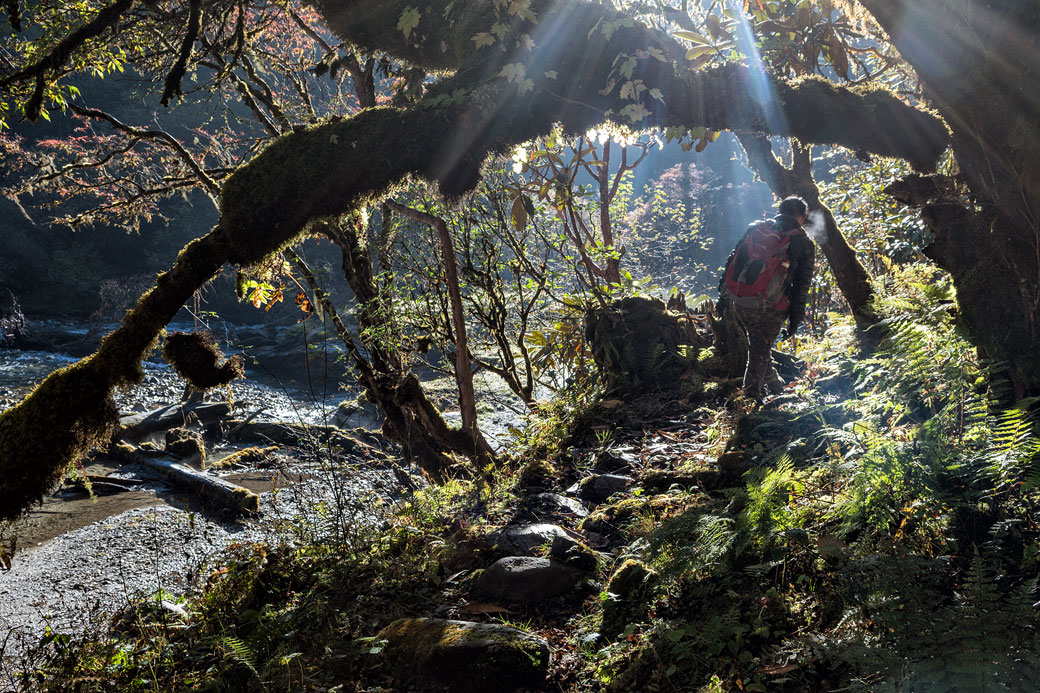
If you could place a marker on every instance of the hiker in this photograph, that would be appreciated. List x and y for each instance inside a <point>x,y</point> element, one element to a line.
<point>766,281</point>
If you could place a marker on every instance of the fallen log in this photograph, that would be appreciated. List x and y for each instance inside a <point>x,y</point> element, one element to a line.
<point>297,434</point>
<point>137,426</point>
<point>212,489</point>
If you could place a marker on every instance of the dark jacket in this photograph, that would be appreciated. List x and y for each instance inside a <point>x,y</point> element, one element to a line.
<point>801,252</point>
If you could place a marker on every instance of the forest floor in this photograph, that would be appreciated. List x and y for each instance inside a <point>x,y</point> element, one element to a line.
<point>874,528</point>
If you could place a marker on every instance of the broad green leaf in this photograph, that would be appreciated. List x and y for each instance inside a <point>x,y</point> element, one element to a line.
<point>408,21</point>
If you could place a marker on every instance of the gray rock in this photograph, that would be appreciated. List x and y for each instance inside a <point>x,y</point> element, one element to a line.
<point>598,488</point>
<point>525,580</point>
<point>613,461</point>
<point>553,504</point>
<point>525,540</point>
<point>465,656</point>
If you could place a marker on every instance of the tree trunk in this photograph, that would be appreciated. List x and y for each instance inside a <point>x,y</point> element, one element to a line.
<point>463,369</point>
<point>411,419</point>
<point>976,62</point>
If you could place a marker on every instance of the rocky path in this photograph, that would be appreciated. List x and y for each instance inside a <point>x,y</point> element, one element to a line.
<point>545,564</point>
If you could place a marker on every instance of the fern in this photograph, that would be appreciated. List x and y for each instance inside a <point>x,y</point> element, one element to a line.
<point>241,652</point>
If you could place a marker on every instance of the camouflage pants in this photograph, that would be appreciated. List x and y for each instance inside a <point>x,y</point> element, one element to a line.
<point>762,325</point>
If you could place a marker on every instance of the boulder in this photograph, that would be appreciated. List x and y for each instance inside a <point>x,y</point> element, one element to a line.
<point>554,505</point>
<point>465,656</point>
<point>544,539</point>
<point>598,488</point>
<point>526,540</point>
<point>662,480</point>
<point>613,462</point>
<point>522,579</point>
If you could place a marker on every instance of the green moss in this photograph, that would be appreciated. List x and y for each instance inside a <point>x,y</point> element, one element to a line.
<point>247,456</point>
<point>69,412</point>
<point>197,359</point>
<point>245,500</point>
<point>469,657</point>
<point>538,473</point>
<point>628,597</point>
<point>184,442</point>
<point>628,516</point>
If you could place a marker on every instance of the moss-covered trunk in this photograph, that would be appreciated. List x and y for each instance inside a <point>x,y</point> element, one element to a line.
<point>977,62</point>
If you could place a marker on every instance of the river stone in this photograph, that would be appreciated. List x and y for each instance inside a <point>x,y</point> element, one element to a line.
<point>598,488</point>
<point>613,462</point>
<point>555,505</point>
<point>523,579</point>
<point>465,656</point>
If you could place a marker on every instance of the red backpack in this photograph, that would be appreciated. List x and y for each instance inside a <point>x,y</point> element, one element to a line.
<point>759,267</point>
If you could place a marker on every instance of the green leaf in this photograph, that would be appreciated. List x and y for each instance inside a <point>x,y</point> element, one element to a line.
<point>697,51</point>
<point>483,39</point>
<point>635,112</point>
<point>408,21</point>
<point>691,36</point>
<point>518,214</point>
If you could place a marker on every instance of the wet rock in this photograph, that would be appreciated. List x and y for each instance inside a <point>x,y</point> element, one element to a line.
<point>465,656</point>
<point>525,580</point>
<point>628,591</point>
<point>186,444</point>
<point>554,505</point>
<point>598,488</point>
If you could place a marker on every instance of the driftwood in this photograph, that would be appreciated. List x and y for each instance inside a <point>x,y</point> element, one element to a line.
<point>137,426</point>
<point>212,489</point>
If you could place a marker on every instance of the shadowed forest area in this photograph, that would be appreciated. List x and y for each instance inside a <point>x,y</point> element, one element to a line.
<point>378,345</point>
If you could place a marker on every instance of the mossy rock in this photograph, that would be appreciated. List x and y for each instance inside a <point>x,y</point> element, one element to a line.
<point>537,474</point>
<point>657,481</point>
<point>629,590</point>
<point>637,343</point>
<point>464,656</point>
<point>622,517</point>
<point>187,444</point>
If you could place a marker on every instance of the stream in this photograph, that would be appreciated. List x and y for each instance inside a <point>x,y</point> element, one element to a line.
<point>81,556</point>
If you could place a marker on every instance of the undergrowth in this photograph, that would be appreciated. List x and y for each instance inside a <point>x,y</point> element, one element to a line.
<point>880,534</point>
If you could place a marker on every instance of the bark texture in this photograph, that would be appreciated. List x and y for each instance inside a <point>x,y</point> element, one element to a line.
<point>978,62</point>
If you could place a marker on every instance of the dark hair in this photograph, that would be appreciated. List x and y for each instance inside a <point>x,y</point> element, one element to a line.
<point>793,206</point>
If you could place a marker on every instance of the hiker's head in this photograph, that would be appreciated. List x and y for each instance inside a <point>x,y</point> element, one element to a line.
<point>794,206</point>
